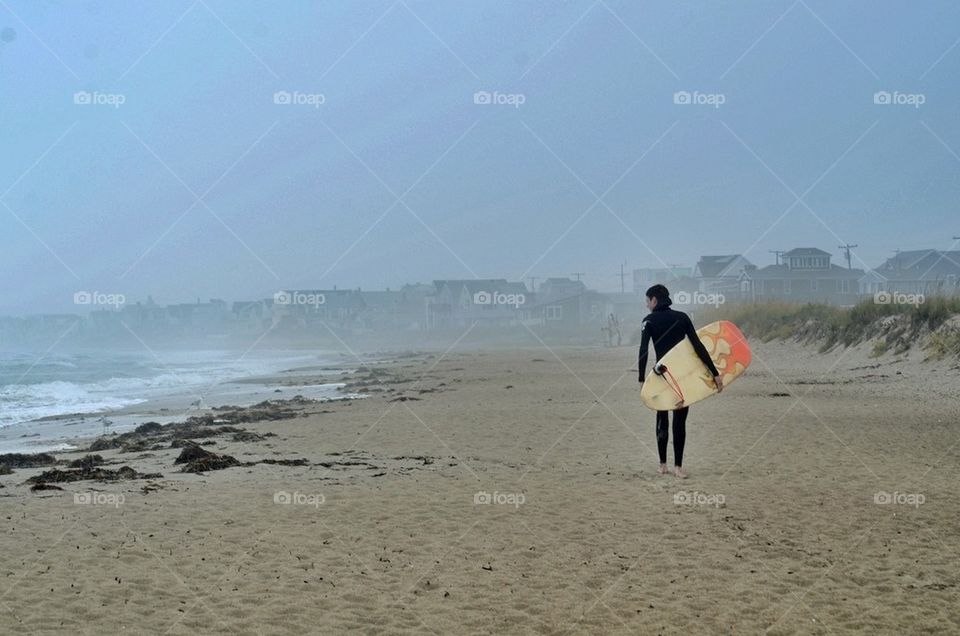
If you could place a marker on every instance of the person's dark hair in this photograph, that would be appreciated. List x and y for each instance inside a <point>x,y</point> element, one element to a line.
<point>661,293</point>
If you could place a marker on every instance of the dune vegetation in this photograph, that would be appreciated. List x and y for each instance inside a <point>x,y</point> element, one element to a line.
<point>933,324</point>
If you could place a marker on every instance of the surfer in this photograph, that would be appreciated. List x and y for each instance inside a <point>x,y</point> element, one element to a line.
<point>667,328</point>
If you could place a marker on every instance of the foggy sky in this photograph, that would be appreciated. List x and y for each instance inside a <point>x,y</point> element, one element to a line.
<point>97,197</point>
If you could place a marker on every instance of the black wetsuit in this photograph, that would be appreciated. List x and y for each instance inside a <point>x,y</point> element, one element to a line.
<point>667,328</point>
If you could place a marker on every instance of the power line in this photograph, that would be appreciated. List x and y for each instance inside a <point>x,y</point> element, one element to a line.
<point>846,248</point>
<point>622,276</point>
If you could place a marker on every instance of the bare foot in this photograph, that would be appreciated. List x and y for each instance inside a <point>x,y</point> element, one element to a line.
<point>679,473</point>
<point>662,470</point>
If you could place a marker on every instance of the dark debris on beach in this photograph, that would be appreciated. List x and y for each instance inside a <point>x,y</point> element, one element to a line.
<point>153,435</point>
<point>198,460</point>
<point>21,460</point>
<point>88,472</point>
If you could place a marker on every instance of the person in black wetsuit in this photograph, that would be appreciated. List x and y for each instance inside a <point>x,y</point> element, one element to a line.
<point>667,328</point>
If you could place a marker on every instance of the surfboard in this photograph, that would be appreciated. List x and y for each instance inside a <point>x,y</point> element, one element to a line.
<point>687,380</point>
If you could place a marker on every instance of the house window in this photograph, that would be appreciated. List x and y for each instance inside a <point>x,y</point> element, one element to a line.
<point>554,312</point>
<point>844,286</point>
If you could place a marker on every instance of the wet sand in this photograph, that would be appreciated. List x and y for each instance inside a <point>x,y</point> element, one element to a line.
<point>777,529</point>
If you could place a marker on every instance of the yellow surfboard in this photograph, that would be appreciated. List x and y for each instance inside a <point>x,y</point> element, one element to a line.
<point>686,379</point>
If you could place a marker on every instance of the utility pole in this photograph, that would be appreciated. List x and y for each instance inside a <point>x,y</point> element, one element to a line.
<point>622,277</point>
<point>846,248</point>
<point>578,275</point>
<point>777,253</point>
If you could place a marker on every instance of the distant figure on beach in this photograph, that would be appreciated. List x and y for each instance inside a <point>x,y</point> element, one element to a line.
<point>667,328</point>
<point>613,324</point>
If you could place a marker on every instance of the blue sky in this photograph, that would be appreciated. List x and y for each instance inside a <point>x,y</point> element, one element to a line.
<point>200,185</point>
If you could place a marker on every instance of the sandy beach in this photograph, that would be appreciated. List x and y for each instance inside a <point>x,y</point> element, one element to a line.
<point>514,491</point>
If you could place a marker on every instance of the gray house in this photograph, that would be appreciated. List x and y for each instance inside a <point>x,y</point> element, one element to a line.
<point>720,274</point>
<point>806,275</point>
<point>458,303</point>
<point>570,311</point>
<point>926,272</point>
<point>305,307</point>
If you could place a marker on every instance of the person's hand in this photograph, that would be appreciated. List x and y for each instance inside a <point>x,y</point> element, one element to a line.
<point>641,379</point>
<point>719,382</point>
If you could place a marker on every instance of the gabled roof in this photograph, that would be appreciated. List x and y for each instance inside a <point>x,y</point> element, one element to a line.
<point>805,251</point>
<point>906,259</point>
<point>713,266</point>
<point>921,265</point>
<point>475,285</point>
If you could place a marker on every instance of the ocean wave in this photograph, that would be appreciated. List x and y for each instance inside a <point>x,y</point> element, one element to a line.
<point>67,384</point>
<point>25,402</point>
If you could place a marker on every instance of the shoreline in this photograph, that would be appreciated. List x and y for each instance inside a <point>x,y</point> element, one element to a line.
<point>65,431</point>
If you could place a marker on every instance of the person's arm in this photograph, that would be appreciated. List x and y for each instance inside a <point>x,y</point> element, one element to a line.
<point>644,345</point>
<point>699,348</point>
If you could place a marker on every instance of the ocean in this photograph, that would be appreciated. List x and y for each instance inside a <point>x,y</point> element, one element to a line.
<point>97,384</point>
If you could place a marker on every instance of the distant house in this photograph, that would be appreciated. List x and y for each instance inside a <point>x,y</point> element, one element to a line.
<point>566,304</point>
<point>555,287</point>
<point>458,303</point>
<point>148,317</point>
<point>806,275</point>
<point>380,309</point>
<point>646,277</point>
<point>306,307</point>
<point>720,274</point>
<point>568,311</point>
<point>199,316</point>
<point>254,315</point>
<point>413,305</point>
<point>926,272</point>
